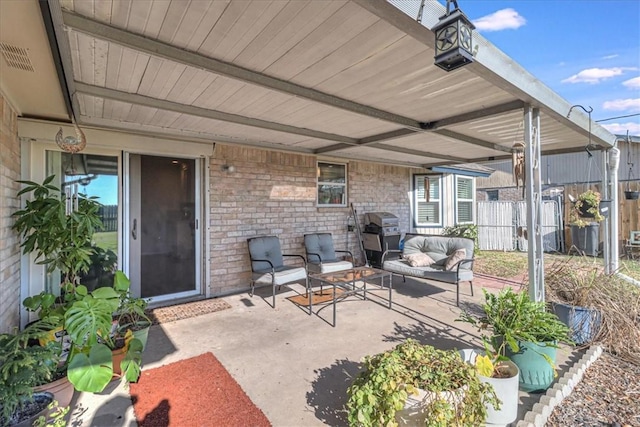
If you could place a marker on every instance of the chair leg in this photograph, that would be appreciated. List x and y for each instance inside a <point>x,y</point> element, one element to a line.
<point>273,286</point>
<point>458,294</point>
<point>471,284</point>
<point>404,279</point>
<point>252,288</point>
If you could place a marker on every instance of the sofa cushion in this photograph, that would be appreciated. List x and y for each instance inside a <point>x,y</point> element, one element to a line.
<point>403,268</point>
<point>419,259</point>
<point>454,258</point>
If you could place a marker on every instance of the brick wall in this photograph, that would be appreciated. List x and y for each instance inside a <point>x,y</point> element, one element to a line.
<point>273,193</point>
<point>9,203</point>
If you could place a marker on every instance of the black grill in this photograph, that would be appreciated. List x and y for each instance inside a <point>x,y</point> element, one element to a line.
<point>381,232</point>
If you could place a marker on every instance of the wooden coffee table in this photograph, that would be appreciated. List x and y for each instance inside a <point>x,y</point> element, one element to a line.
<point>351,282</point>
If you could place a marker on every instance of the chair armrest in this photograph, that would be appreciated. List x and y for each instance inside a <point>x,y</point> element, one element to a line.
<point>389,251</point>
<point>304,261</point>
<point>262,260</point>
<point>347,252</point>
<point>315,254</point>
<point>464,261</point>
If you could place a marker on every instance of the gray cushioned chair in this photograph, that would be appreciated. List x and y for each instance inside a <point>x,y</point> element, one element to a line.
<point>267,265</point>
<point>321,255</point>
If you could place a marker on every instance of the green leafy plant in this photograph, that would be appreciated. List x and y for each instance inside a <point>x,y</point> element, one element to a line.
<point>388,378</point>
<point>54,418</point>
<point>470,231</point>
<point>24,366</point>
<point>92,323</point>
<point>511,317</point>
<point>588,201</point>
<point>60,241</point>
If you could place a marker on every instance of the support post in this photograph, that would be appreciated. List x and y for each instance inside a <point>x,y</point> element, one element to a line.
<point>614,163</point>
<point>534,203</point>
<point>606,242</point>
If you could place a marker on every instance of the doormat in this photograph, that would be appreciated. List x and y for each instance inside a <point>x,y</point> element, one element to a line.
<point>319,297</point>
<point>184,311</point>
<point>193,392</point>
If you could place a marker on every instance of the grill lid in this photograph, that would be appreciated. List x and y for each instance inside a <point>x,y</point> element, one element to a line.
<point>381,219</point>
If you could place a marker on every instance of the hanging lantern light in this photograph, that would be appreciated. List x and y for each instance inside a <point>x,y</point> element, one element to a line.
<point>71,144</point>
<point>453,39</point>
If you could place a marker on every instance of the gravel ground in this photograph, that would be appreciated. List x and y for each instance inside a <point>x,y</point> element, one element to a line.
<point>608,395</point>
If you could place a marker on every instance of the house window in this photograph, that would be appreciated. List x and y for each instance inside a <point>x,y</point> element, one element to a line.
<point>332,184</point>
<point>492,195</point>
<point>464,200</point>
<point>427,210</point>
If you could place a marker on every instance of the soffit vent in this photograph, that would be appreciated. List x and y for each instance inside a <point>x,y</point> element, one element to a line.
<point>16,57</point>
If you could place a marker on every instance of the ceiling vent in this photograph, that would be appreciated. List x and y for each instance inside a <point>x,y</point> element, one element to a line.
<point>16,57</point>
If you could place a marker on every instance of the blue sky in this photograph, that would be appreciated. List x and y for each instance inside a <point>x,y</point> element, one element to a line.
<point>588,51</point>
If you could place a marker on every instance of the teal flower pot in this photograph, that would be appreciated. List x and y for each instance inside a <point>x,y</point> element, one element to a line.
<point>536,373</point>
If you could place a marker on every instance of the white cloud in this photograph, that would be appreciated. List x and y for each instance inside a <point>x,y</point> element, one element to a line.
<point>630,104</point>
<point>622,128</point>
<point>504,19</point>
<point>633,83</point>
<point>615,55</point>
<point>594,75</point>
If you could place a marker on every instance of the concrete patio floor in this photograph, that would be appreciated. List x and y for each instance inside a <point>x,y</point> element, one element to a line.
<point>296,368</point>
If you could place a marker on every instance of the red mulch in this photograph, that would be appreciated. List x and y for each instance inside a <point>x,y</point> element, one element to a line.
<point>193,392</point>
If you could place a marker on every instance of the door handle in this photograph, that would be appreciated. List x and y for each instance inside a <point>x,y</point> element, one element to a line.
<point>134,230</point>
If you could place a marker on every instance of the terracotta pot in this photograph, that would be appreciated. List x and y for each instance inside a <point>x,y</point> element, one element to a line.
<point>62,390</point>
<point>117,356</point>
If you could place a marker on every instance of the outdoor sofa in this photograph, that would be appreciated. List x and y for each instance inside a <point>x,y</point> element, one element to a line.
<point>441,258</point>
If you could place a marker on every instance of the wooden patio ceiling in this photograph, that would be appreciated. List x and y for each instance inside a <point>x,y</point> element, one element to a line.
<point>348,79</point>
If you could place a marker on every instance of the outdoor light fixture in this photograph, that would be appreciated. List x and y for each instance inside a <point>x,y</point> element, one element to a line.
<point>453,39</point>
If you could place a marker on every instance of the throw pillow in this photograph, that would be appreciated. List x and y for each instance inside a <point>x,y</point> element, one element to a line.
<point>452,260</point>
<point>418,259</point>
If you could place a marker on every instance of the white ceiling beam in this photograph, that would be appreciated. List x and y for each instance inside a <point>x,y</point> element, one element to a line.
<point>182,56</point>
<point>471,140</point>
<point>132,98</point>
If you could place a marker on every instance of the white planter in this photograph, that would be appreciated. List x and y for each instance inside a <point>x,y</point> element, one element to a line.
<point>416,412</point>
<point>506,390</point>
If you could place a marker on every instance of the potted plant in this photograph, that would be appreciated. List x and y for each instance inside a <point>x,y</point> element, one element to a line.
<point>59,239</point>
<point>525,332</point>
<point>100,348</point>
<point>575,295</point>
<point>22,367</point>
<point>63,241</point>
<point>495,369</point>
<point>415,384</point>
<point>131,313</point>
<point>584,218</point>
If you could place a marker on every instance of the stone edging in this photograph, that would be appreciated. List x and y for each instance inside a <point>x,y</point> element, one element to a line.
<point>541,411</point>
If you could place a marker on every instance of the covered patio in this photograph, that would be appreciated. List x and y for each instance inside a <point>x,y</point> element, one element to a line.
<point>296,368</point>
<point>244,81</point>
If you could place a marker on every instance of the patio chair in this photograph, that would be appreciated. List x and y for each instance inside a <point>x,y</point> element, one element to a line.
<point>267,265</point>
<point>321,256</point>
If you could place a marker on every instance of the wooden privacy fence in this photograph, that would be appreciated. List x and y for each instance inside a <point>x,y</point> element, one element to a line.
<point>109,216</point>
<point>499,222</point>
<point>628,211</point>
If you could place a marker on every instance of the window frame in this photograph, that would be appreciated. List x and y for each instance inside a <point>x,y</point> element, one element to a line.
<point>439,178</point>
<point>344,185</point>
<point>458,199</point>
